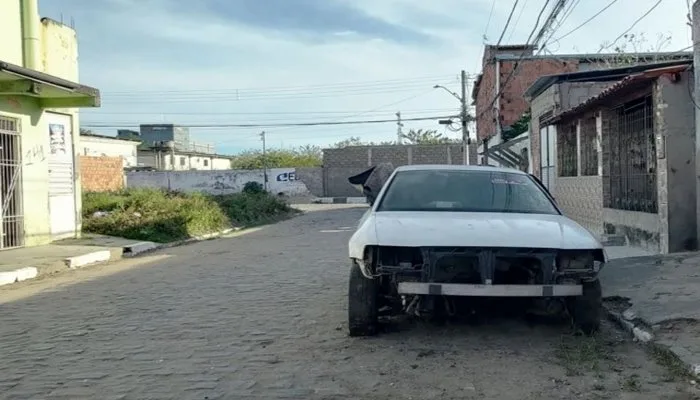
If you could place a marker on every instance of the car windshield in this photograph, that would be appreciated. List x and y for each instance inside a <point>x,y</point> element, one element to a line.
<point>465,191</point>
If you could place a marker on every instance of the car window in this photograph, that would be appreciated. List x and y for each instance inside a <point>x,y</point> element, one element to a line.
<point>465,190</point>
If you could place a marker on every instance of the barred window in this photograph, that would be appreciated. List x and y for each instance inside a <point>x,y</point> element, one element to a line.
<point>632,182</point>
<point>566,150</point>
<point>589,147</point>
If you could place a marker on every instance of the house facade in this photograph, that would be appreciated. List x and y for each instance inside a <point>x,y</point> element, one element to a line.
<point>39,141</point>
<point>94,145</point>
<point>170,159</point>
<point>498,93</point>
<point>623,160</point>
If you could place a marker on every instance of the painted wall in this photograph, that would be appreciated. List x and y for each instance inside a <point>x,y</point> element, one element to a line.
<point>289,181</point>
<point>102,147</point>
<point>10,32</point>
<point>58,57</point>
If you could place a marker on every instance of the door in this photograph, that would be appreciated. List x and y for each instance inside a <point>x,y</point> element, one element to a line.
<point>62,212</point>
<point>11,215</point>
<point>548,135</point>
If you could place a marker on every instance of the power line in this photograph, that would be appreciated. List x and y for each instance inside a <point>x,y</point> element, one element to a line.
<point>156,113</point>
<point>517,19</point>
<point>326,123</point>
<point>505,28</point>
<point>632,26</point>
<point>276,89</point>
<point>512,72</point>
<point>586,21</point>
<point>488,22</point>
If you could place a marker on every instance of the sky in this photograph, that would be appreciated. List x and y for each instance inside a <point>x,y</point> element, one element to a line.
<point>212,63</point>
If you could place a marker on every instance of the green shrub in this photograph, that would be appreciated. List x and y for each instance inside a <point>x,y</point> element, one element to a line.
<point>253,188</point>
<point>161,216</point>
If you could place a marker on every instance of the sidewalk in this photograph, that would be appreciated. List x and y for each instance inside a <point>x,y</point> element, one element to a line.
<point>27,263</point>
<point>657,298</point>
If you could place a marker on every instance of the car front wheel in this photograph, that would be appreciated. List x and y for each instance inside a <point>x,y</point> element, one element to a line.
<point>362,303</point>
<point>586,310</point>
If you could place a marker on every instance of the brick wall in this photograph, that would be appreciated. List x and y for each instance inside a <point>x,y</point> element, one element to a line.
<point>340,164</point>
<point>512,103</point>
<point>101,174</point>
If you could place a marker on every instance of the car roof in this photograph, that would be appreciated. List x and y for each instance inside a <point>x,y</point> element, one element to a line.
<point>446,167</point>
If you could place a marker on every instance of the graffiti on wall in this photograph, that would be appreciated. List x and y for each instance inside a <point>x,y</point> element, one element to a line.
<point>290,176</point>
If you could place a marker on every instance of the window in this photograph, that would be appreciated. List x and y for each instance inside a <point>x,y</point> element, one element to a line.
<point>631,183</point>
<point>567,150</point>
<point>465,191</point>
<point>183,161</point>
<point>206,163</point>
<point>589,147</point>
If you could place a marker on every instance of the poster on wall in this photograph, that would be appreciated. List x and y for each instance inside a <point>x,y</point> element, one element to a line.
<point>57,139</point>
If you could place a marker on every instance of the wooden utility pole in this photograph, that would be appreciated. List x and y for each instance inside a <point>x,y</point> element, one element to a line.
<point>695,19</point>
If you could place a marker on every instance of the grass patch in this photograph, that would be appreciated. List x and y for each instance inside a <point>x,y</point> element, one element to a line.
<point>675,369</point>
<point>580,354</point>
<point>161,216</point>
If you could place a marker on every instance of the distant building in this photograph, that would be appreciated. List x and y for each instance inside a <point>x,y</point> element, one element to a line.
<point>101,145</point>
<point>167,158</point>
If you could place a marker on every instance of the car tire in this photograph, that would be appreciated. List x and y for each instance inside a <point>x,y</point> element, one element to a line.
<point>586,310</point>
<point>362,303</point>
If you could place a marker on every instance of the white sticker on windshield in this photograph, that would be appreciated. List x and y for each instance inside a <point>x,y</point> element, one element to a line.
<point>509,181</point>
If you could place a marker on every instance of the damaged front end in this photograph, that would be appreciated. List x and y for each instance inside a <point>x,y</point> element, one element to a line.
<point>413,279</point>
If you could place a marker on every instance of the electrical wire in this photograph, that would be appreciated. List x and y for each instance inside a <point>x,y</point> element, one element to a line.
<point>631,27</point>
<point>584,23</point>
<point>517,19</point>
<point>326,123</point>
<point>505,28</point>
<point>515,67</point>
<point>98,112</point>
<point>488,22</point>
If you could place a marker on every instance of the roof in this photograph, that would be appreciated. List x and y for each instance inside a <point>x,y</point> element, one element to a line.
<point>95,135</point>
<point>177,152</point>
<point>599,75</point>
<point>596,57</point>
<point>457,167</point>
<point>629,82</point>
<point>54,92</point>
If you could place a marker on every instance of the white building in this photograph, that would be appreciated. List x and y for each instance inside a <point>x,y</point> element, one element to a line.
<point>173,160</point>
<point>100,146</point>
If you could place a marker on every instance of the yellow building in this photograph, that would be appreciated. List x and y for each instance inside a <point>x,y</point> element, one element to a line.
<point>40,197</point>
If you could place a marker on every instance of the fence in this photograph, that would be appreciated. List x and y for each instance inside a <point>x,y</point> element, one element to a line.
<point>288,181</point>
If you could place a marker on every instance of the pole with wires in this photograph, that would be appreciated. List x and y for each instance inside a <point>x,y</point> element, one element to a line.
<point>695,17</point>
<point>464,116</point>
<point>399,128</point>
<point>264,159</point>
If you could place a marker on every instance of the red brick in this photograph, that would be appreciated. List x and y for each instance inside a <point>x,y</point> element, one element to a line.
<point>101,174</point>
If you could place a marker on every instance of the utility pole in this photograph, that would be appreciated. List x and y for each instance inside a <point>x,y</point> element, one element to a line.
<point>399,126</point>
<point>464,116</point>
<point>264,159</point>
<point>695,18</point>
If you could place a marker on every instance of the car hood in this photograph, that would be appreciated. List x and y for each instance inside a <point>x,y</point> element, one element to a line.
<point>458,229</point>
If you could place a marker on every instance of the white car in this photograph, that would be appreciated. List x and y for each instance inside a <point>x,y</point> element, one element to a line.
<point>436,233</point>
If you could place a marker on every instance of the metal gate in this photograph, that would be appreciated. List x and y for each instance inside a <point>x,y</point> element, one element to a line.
<point>11,216</point>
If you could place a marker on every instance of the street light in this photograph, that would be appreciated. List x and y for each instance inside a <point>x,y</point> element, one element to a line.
<point>464,116</point>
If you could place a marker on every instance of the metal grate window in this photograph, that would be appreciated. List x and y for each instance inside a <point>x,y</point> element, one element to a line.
<point>566,150</point>
<point>632,183</point>
<point>11,216</point>
<point>589,147</point>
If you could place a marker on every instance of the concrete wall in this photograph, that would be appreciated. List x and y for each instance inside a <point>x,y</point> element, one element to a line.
<point>675,138</point>
<point>340,164</point>
<point>289,181</point>
<point>581,199</point>
<point>11,31</point>
<point>102,174</point>
<point>104,147</point>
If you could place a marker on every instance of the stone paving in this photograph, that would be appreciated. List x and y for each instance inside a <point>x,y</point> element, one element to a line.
<point>263,316</point>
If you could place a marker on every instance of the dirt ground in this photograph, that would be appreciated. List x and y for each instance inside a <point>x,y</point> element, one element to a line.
<point>263,316</point>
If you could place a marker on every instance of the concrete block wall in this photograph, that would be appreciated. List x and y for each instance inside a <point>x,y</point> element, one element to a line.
<point>581,199</point>
<point>340,164</point>
<point>101,174</point>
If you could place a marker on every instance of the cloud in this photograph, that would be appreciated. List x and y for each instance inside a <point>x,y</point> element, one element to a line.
<point>184,53</point>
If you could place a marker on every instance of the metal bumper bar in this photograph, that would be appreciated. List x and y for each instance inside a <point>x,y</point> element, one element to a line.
<point>459,289</point>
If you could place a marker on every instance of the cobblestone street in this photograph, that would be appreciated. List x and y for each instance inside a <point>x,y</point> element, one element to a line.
<point>263,316</point>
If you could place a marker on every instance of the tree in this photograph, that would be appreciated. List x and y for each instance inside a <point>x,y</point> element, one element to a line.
<point>356,141</point>
<point>305,156</point>
<point>428,136</point>
<point>632,44</point>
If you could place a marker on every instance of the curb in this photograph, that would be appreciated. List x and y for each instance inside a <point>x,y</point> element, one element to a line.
<point>105,256</point>
<point>339,200</point>
<point>626,321</point>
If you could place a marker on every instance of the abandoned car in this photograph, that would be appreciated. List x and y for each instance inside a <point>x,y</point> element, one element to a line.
<point>435,234</point>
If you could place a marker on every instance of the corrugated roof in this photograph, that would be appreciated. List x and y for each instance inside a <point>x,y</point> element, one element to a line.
<point>601,75</point>
<point>630,80</point>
